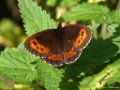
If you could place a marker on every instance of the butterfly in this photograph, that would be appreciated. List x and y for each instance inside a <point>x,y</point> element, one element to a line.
<point>59,46</point>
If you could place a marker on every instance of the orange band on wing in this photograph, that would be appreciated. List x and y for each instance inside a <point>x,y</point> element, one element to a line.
<point>69,54</point>
<point>55,57</point>
<point>34,44</point>
<point>80,39</point>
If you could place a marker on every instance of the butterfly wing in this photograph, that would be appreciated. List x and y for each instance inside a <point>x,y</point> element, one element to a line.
<point>46,45</point>
<point>76,39</point>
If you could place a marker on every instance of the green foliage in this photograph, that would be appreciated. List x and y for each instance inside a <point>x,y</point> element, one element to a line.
<point>88,62</point>
<point>68,3</point>
<point>95,12</point>
<point>86,11</point>
<point>49,76</point>
<point>15,67</point>
<point>98,65</point>
<point>10,33</point>
<point>109,74</point>
<point>41,21</point>
<point>51,2</point>
<point>34,17</point>
<point>114,32</point>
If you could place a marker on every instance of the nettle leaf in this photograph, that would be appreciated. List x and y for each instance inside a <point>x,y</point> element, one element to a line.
<point>15,65</point>
<point>108,75</point>
<point>115,74</point>
<point>68,3</point>
<point>94,26</point>
<point>112,29</point>
<point>111,17</point>
<point>95,12</point>
<point>86,11</point>
<point>115,16</point>
<point>96,54</point>
<point>34,17</point>
<point>89,59</point>
<point>49,76</point>
<point>105,49</point>
<point>114,32</point>
<point>51,2</point>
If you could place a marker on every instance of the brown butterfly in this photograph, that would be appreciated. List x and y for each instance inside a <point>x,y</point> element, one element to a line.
<point>61,45</point>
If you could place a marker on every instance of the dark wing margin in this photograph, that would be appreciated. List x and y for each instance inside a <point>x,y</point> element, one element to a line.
<point>46,46</point>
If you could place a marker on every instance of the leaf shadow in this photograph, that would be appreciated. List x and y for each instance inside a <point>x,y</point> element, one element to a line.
<point>116,33</point>
<point>94,55</point>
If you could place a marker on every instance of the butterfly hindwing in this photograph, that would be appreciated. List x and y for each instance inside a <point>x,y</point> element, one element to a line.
<point>71,54</point>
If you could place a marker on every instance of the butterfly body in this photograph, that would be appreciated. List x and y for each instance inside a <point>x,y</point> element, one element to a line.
<point>61,45</point>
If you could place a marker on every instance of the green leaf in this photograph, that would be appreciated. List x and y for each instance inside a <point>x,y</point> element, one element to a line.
<point>94,26</point>
<point>10,33</point>
<point>114,32</point>
<point>112,29</point>
<point>115,16</point>
<point>109,74</point>
<point>34,17</point>
<point>49,76</point>
<point>111,17</point>
<point>68,3</point>
<point>105,50</point>
<point>15,65</point>
<point>51,2</point>
<point>86,11</point>
<point>96,54</point>
<point>95,12</point>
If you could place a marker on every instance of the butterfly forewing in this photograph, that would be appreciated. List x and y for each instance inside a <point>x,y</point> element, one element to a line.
<point>46,45</point>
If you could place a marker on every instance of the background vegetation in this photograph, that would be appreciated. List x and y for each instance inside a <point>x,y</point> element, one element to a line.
<point>97,68</point>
